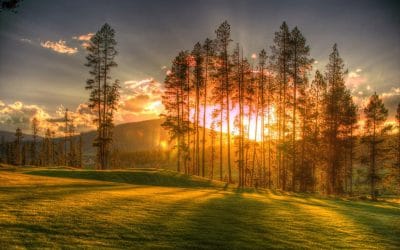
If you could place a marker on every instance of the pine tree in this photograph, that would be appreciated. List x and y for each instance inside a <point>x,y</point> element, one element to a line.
<point>317,93</point>
<point>188,88</point>
<point>66,132</point>
<point>174,101</point>
<point>375,117</point>
<point>223,40</point>
<point>251,101</point>
<point>213,136</point>
<point>47,148</point>
<point>280,62</point>
<point>53,148</point>
<point>335,120</point>
<point>197,54</point>
<point>241,69</point>
<point>300,63</point>
<point>104,94</point>
<point>80,149</point>
<point>17,146</point>
<point>262,96</point>
<point>35,130</point>
<point>208,50</point>
<point>24,154</point>
<point>72,154</point>
<point>270,91</point>
<point>351,118</point>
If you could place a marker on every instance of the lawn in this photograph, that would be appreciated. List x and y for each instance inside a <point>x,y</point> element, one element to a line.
<point>158,209</point>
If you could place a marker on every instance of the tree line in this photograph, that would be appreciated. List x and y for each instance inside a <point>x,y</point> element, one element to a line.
<point>270,123</point>
<point>48,150</point>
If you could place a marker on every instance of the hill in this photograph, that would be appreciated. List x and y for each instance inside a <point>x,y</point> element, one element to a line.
<point>128,137</point>
<point>158,209</point>
<point>10,136</point>
<point>131,137</point>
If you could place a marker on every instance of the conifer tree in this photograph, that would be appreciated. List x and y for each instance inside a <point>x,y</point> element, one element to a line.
<point>299,64</point>
<point>35,130</point>
<point>208,50</point>
<point>262,96</point>
<point>213,136</point>
<point>375,117</point>
<point>103,92</point>
<point>223,39</point>
<point>197,54</point>
<point>174,101</point>
<point>17,146</point>
<point>80,149</point>
<point>335,120</point>
<point>317,92</point>
<point>350,126</point>
<point>280,62</point>
<point>46,148</point>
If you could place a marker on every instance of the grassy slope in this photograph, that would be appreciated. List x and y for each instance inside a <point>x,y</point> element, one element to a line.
<point>113,209</point>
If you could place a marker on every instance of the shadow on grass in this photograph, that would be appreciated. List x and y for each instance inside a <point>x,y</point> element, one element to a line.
<point>382,219</point>
<point>114,222</point>
<point>154,178</point>
<point>234,221</point>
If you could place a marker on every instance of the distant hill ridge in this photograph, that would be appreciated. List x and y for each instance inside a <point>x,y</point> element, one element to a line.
<point>128,137</point>
<point>133,136</point>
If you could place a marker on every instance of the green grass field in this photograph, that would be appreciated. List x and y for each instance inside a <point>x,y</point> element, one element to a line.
<point>156,209</point>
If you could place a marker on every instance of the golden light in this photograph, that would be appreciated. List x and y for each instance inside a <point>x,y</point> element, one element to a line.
<point>252,130</point>
<point>163,145</point>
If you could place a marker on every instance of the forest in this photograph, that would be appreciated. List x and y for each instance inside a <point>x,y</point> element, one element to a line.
<point>267,122</point>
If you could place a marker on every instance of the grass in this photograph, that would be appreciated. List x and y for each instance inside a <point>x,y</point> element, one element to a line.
<point>156,209</point>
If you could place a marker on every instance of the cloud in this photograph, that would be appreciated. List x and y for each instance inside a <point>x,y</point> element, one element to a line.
<point>85,45</point>
<point>25,40</point>
<point>20,115</point>
<point>391,99</point>
<point>140,100</point>
<point>353,74</point>
<point>59,47</point>
<point>394,92</point>
<point>84,37</point>
<point>136,103</point>
<point>355,79</point>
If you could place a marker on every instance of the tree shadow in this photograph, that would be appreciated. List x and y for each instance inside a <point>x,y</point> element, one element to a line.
<point>381,219</point>
<point>232,222</point>
<point>153,178</point>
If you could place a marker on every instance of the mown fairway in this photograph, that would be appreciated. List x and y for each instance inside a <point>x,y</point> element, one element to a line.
<point>45,208</point>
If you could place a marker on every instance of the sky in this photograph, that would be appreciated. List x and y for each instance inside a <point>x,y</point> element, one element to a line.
<point>42,52</point>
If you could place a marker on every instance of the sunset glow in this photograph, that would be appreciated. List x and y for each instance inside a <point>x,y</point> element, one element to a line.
<point>201,124</point>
